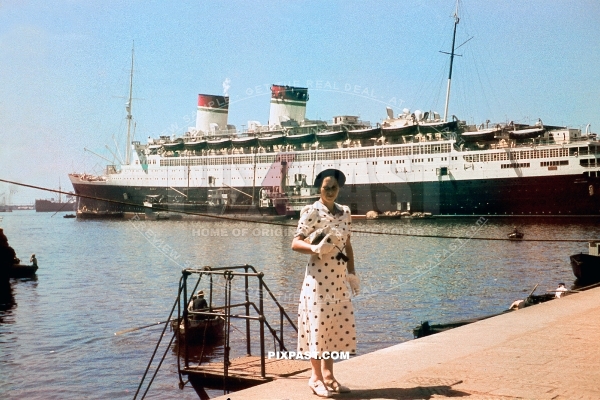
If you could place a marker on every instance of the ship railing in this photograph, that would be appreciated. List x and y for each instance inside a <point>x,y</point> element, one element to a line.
<point>552,142</point>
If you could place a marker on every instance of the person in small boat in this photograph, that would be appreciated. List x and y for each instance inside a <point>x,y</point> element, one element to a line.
<point>199,304</point>
<point>33,260</point>
<point>517,305</point>
<point>560,290</point>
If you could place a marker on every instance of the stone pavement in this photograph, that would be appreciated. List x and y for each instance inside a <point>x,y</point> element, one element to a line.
<point>548,351</point>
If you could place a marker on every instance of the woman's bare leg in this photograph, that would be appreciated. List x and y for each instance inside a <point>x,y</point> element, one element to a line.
<point>327,371</point>
<point>316,374</point>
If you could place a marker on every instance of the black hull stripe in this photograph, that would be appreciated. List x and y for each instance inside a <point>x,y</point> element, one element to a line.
<point>567,195</point>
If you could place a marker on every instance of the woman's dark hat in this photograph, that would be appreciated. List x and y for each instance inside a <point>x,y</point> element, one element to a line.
<point>336,173</point>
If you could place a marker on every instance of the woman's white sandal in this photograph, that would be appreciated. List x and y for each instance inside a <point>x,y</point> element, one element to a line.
<point>319,389</point>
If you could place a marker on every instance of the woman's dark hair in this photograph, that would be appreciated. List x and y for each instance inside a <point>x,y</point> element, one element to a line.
<point>336,173</point>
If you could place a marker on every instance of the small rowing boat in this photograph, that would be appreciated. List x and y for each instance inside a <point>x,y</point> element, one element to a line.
<point>19,271</point>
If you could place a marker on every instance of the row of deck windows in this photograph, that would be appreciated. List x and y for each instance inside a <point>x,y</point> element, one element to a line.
<point>554,163</point>
<point>517,155</point>
<point>516,165</point>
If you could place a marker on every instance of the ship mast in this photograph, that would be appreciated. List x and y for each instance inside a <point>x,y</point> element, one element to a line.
<point>128,108</point>
<point>456,19</point>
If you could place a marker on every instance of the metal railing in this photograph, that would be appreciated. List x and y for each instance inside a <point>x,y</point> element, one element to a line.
<point>226,310</point>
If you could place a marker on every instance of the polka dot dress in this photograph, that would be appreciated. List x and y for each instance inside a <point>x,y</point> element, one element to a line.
<point>325,313</point>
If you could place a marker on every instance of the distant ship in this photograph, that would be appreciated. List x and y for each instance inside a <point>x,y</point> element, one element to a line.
<point>52,205</point>
<point>411,162</point>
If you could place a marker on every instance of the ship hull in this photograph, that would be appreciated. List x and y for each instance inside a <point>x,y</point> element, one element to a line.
<point>52,206</point>
<point>560,195</point>
<point>92,196</point>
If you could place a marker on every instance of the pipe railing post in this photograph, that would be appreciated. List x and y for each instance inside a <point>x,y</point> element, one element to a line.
<point>184,317</point>
<point>280,328</point>
<point>262,325</point>
<point>210,299</point>
<point>247,299</point>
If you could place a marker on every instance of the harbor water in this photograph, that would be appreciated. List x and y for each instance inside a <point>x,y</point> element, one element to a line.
<point>57,332</point>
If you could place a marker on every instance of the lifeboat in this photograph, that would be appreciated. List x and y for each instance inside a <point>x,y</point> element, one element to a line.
<point>330,136</point>
<point>394,130</point>
<point>366,133</point>
<point>218,144</point>
<point>300,139</point>
<point>175,145</point>
<point>245,142</point>
<point>272,140</point>
<point>195,145</point>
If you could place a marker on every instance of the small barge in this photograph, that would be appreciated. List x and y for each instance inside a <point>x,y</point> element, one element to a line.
<point>586,267</point>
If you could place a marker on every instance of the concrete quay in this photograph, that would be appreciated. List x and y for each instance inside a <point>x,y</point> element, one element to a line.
<point>547,351</point>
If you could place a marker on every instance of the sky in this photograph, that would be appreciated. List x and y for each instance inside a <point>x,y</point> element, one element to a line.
<point>65,65</point>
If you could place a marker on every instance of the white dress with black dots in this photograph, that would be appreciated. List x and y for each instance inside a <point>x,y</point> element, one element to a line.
<point>325,313</point>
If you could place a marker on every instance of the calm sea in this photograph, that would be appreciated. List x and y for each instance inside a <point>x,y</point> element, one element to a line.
<point>99,277</point>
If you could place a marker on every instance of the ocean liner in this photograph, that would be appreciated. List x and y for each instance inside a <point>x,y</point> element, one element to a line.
<point>404,164</point>
<point>415,162</point>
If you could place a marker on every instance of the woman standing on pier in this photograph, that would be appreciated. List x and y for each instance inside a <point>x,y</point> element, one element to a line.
<point>325,313</point>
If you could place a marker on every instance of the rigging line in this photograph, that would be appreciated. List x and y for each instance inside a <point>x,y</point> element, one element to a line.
<point>159,365</point>
<point>235,219</point>
<point>158,344</point>
<point>124,203</point>
<point>63,206</point>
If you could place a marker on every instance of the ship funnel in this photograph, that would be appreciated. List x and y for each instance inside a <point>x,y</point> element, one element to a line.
<point>212,113</point>
<point>390,112</point>
<point>288,103</point>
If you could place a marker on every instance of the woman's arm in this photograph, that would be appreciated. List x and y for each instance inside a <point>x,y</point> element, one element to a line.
<point>350,255</point>
<point>299,245</point>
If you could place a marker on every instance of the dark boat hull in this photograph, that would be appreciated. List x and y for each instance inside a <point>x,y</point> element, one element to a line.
<point>19,271</point>
<point>245,142</point>
<point>400,131</point>
<point>526,133</point>
<point>438,127</point>
<point>53,206</point>
<point>331,136</point>
<point>368,133</point>
<point>425,329</point>
<point>100,214</point>
<point>204,330</point>
<point>196,146</point>
<point>176,146</point>
<point>218,144</point>
<point>586,267</point>
<point>273,140</point>
<point>300,139</point>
